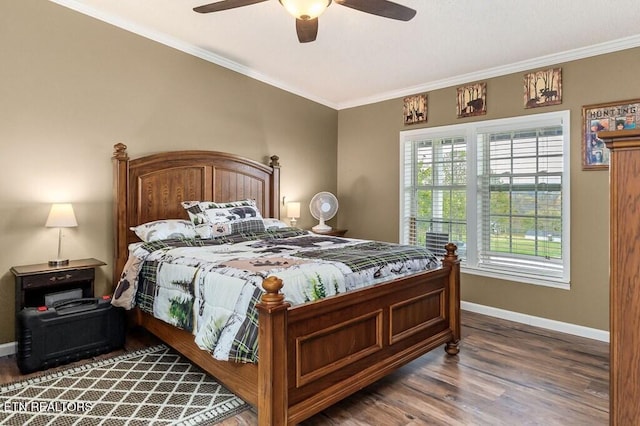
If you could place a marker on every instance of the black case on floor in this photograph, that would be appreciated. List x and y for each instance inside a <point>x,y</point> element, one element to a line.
<point>67,331</point>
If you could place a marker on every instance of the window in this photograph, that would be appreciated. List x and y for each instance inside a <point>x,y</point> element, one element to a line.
<point>498,189</point>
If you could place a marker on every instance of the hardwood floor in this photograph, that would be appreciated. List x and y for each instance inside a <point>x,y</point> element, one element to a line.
<point>506,374</point>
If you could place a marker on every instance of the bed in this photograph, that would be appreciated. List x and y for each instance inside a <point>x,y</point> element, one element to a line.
<point>371,331</point>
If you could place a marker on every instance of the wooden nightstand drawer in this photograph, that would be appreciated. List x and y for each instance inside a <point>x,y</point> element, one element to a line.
<point>34,282</point>
<point>57,278</point>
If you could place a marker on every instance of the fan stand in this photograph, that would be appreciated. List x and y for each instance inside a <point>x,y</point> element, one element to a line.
<point>321,227</point>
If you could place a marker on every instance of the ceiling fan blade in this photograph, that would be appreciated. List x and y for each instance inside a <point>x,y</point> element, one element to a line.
<point>224,5</point>
<point>307,30</point>
<point>384,8</point>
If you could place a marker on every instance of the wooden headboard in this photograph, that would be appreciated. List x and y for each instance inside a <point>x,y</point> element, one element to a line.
<point>152,187</point>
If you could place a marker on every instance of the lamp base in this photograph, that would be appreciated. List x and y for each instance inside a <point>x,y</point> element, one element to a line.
<point>59,262</point>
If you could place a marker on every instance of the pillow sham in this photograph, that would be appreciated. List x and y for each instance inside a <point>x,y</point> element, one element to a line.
<point>218,219</point>
<point>164,230</point>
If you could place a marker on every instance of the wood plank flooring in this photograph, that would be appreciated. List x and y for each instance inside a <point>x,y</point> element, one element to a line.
<point>506,374</point>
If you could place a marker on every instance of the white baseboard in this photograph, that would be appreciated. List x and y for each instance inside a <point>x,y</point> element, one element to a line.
<point>563,327</point>
<point>7,349</point>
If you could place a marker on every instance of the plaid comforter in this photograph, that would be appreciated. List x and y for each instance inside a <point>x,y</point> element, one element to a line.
<point>211,287</point>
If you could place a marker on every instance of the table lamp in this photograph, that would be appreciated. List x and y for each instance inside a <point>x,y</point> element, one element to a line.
<point>293,212</point>
<point>61,216</point>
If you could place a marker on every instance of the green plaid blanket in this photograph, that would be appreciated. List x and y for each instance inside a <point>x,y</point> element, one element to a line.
<point>372,254</point>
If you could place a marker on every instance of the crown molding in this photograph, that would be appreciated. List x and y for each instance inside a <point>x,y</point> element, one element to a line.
<point>530,64</point>
<point>543,61</point>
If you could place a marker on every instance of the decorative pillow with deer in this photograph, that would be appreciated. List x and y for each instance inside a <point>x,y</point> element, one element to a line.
<point>218,219</point>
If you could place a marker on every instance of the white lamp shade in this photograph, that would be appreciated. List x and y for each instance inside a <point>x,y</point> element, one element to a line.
<point>293,209</point>
<point>61,216</point>
<point>305,9</point>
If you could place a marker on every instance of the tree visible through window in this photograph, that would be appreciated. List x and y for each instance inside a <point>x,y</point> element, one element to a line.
<point>498,189</point>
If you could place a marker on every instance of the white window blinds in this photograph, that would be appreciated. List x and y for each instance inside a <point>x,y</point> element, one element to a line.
<point>436,198</point>
<point>498,189</point>
<point>520,175</point>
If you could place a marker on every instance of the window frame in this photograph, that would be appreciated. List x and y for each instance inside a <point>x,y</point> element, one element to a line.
<point>471,132</point>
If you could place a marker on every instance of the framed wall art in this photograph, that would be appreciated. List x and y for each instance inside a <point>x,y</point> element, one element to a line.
<point>415,109</point>
<point>472,100</point>
<point>621,115</point>
<point>543,88</point>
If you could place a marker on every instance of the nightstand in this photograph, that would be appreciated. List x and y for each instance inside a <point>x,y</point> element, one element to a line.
<point>334,232</point>
<point>34,282</point>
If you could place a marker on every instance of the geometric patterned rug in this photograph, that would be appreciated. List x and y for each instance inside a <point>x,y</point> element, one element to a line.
<point>153,386</point>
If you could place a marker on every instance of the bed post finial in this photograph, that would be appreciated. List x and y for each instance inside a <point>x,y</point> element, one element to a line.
<point>272,285</point>
<point>451,251</point>
<point>120,151</point>
<point>275,161</point>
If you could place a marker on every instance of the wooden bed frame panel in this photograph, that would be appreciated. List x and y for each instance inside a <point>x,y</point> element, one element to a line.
<point>312,355</point>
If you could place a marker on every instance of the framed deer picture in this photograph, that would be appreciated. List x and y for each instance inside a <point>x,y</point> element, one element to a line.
<point>415,109</point>
<point>472,100</point>
<point>543,88</point>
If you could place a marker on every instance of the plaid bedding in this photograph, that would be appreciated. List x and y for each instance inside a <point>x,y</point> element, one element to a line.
<point>211,287</point>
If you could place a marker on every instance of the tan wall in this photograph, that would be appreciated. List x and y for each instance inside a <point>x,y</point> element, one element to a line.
<point>72,86</point>
<point>369,190</point>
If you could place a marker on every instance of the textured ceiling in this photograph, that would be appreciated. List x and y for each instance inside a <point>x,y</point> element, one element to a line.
<point>360,58</point>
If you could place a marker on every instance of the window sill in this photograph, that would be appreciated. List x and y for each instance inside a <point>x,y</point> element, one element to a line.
<point>545,282</point>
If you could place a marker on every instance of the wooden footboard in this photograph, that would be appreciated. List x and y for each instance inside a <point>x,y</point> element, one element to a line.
<point>334,347</point>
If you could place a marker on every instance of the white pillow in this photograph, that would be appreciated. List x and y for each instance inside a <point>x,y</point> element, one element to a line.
<point>165,230</point>
<point>270,222</point>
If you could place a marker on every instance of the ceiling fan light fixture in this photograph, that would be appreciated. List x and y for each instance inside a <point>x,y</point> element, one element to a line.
<point>305,9</point>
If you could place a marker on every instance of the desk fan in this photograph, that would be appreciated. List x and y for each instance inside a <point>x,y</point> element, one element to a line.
<point>323,206</point>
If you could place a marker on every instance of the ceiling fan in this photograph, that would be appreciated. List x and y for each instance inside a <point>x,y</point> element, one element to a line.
<point>306,12</point>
